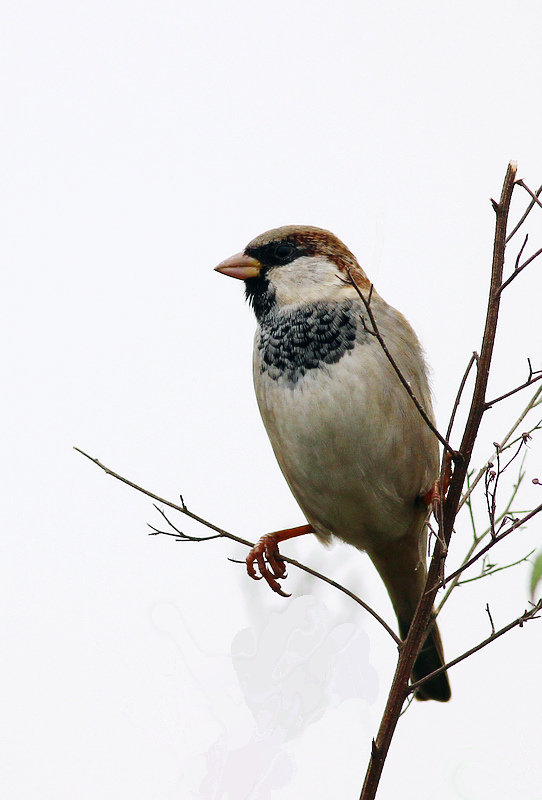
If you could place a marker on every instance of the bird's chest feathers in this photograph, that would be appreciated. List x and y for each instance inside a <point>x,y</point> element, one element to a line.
<point>297,340</point>
<point>330,401</point>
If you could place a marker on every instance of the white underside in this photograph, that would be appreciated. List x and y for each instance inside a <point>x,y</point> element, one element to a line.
<point>350,442</point>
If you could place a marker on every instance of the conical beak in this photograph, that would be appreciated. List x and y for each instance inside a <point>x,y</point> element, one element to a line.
<point>240,266</point>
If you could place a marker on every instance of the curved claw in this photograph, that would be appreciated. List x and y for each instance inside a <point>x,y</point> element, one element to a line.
<point>270,563</point>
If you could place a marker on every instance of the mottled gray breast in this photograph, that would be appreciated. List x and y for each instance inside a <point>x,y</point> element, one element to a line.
<point>295,340</point>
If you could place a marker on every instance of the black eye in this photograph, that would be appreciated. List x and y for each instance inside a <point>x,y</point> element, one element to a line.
<point>284,250</point>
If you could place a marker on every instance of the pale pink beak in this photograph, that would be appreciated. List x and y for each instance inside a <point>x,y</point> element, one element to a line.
<point>240,266</point>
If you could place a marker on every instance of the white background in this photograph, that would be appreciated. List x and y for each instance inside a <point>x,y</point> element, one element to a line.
<point>142,143</point>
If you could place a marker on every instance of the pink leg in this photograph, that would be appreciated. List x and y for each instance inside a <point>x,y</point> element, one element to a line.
<point>432,497</point>
<point>267,550</point>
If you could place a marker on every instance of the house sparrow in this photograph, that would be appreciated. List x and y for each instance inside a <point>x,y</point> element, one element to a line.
<point>355,451</point>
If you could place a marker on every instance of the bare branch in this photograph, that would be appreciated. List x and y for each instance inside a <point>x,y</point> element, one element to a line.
<point>486,353</point>
<point>182,508</point>
<point>492,479</point>
<point>519,269</point>
<point>179,536</point>
<point>534,376</point>
<point>497,538</point>
<point>519,622</point>
<point>530,191</point>
<point>490,620</point>
<point>535,400</point>
<point>422,616</point>
<point>520,253</point>
<point>492,569</point>
<point>490,483</point>
<point>528,211</point>
<point>479,538</point>
<point>473,359</point>
<point>226,535</point>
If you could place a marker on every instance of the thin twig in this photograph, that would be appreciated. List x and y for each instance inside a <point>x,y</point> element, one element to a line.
<point>519,269</point>
<point>182,508</point>
<point>520,253</point>
<point>498,538</point>
<point>535,375</point>
<point>180,536</point>
<point>534,401</point>
<point>492,479</point>
<point>526,434</point>
<point>533,195</point>
<point>471,512</point>
<point>486,353</point>
<point>492,571</point>
<point>527,212</point>
<point>519,622</point>
<point>226,535</point>
<point>376,332</point>
<point>472,360</point>
<point>478,538</point>
<point>490,620</point>
<point>490,493</point>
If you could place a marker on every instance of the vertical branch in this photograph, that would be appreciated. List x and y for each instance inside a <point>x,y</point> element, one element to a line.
<point>478,399</point>
<point>412,644</point>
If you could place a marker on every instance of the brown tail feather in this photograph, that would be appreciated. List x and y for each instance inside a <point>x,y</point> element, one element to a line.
<point>401,565</point>
<point>431,657</point>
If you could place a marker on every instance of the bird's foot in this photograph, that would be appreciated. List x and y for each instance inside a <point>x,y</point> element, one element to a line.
<point>433,497</point>
<point>266,556</point>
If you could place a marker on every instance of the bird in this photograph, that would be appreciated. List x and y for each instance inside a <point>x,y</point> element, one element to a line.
<point>356,453</point>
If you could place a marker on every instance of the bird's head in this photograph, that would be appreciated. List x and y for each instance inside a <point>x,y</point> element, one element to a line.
<point>295,264</point>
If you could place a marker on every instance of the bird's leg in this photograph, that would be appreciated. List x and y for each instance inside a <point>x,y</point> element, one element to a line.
<point>266,555</point>
<point>432,497</point>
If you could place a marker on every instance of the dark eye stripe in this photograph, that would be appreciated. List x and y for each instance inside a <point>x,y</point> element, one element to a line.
<point>275,254</point>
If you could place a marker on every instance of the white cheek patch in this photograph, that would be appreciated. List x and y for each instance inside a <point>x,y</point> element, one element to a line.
<point>306,279</point>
